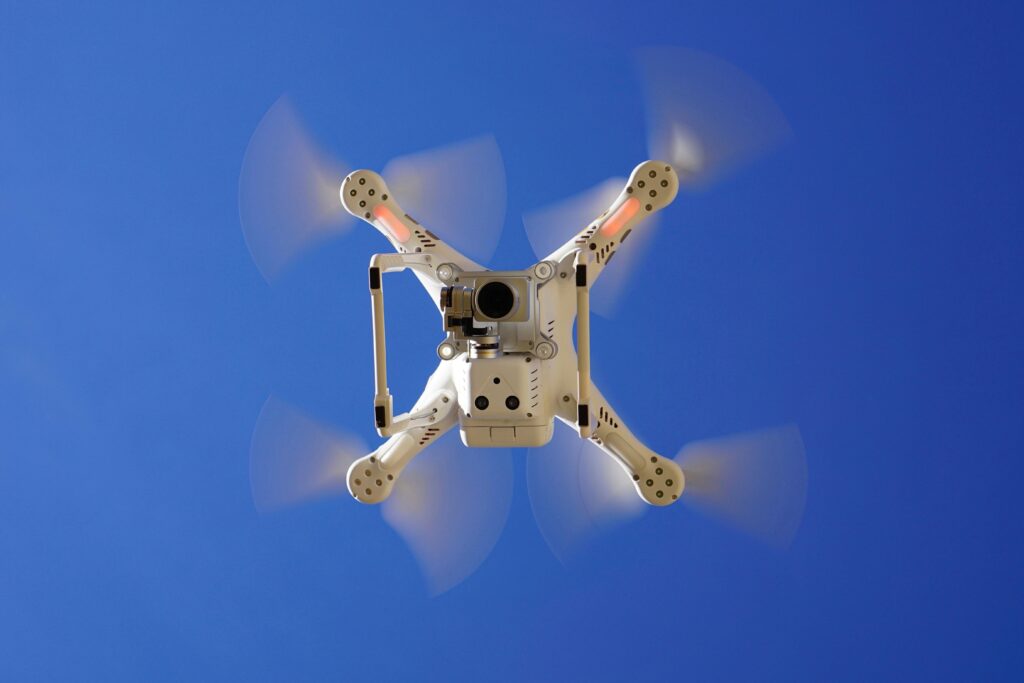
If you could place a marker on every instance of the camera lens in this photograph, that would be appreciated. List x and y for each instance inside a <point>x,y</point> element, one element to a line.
<point>495,300</point>
<point>481,403</point>
<point>511,402</point>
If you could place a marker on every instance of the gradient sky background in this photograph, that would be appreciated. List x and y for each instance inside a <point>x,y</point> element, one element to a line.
<point>864,281</point>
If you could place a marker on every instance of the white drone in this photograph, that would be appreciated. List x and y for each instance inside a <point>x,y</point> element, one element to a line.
<point>510,363</point>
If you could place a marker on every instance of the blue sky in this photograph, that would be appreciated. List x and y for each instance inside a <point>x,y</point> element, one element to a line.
<point>864,281</point>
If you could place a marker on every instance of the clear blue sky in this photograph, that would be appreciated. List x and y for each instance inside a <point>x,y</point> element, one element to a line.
<point>865,281</point>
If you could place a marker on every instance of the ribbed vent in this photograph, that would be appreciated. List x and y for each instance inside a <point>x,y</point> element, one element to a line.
<point>534,387</point>
<point>428,434</point>
<point>605,415</point>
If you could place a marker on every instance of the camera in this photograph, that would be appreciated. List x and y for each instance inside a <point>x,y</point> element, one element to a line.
<point>485,299</point>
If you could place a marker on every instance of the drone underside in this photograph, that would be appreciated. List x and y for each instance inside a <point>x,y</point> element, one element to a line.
<point>515,357</point>
<point>508,363</point>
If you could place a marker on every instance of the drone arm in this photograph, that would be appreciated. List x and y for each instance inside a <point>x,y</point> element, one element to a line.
<point>372,478</point>
<point>651,187</point>
<point>657,479</point>
<point>365,195</point>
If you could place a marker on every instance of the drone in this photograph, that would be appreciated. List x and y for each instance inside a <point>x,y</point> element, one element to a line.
<point>509,365</point>
<point>514,349</point>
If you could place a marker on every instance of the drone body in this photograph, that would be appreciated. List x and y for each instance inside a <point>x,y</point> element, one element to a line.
<point>514,357</point>
<point>509,365</point>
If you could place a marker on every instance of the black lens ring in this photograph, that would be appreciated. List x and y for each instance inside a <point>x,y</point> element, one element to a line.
<point>495,300</point>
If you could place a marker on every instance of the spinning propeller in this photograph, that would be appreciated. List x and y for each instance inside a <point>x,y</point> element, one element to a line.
<point>705,118</point>
<point>754,482</point>
<point>450,509</point>
<point>288,192</point>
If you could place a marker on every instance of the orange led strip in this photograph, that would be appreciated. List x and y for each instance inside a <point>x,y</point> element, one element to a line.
<point>622,215</point>
<point>387,218</point>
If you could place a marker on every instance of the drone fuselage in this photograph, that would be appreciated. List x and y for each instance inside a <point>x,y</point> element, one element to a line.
<point>509,362</point>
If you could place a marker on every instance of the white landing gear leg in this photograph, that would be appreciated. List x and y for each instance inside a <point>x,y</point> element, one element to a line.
<point>658,480</point>
<point>372,477</point>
